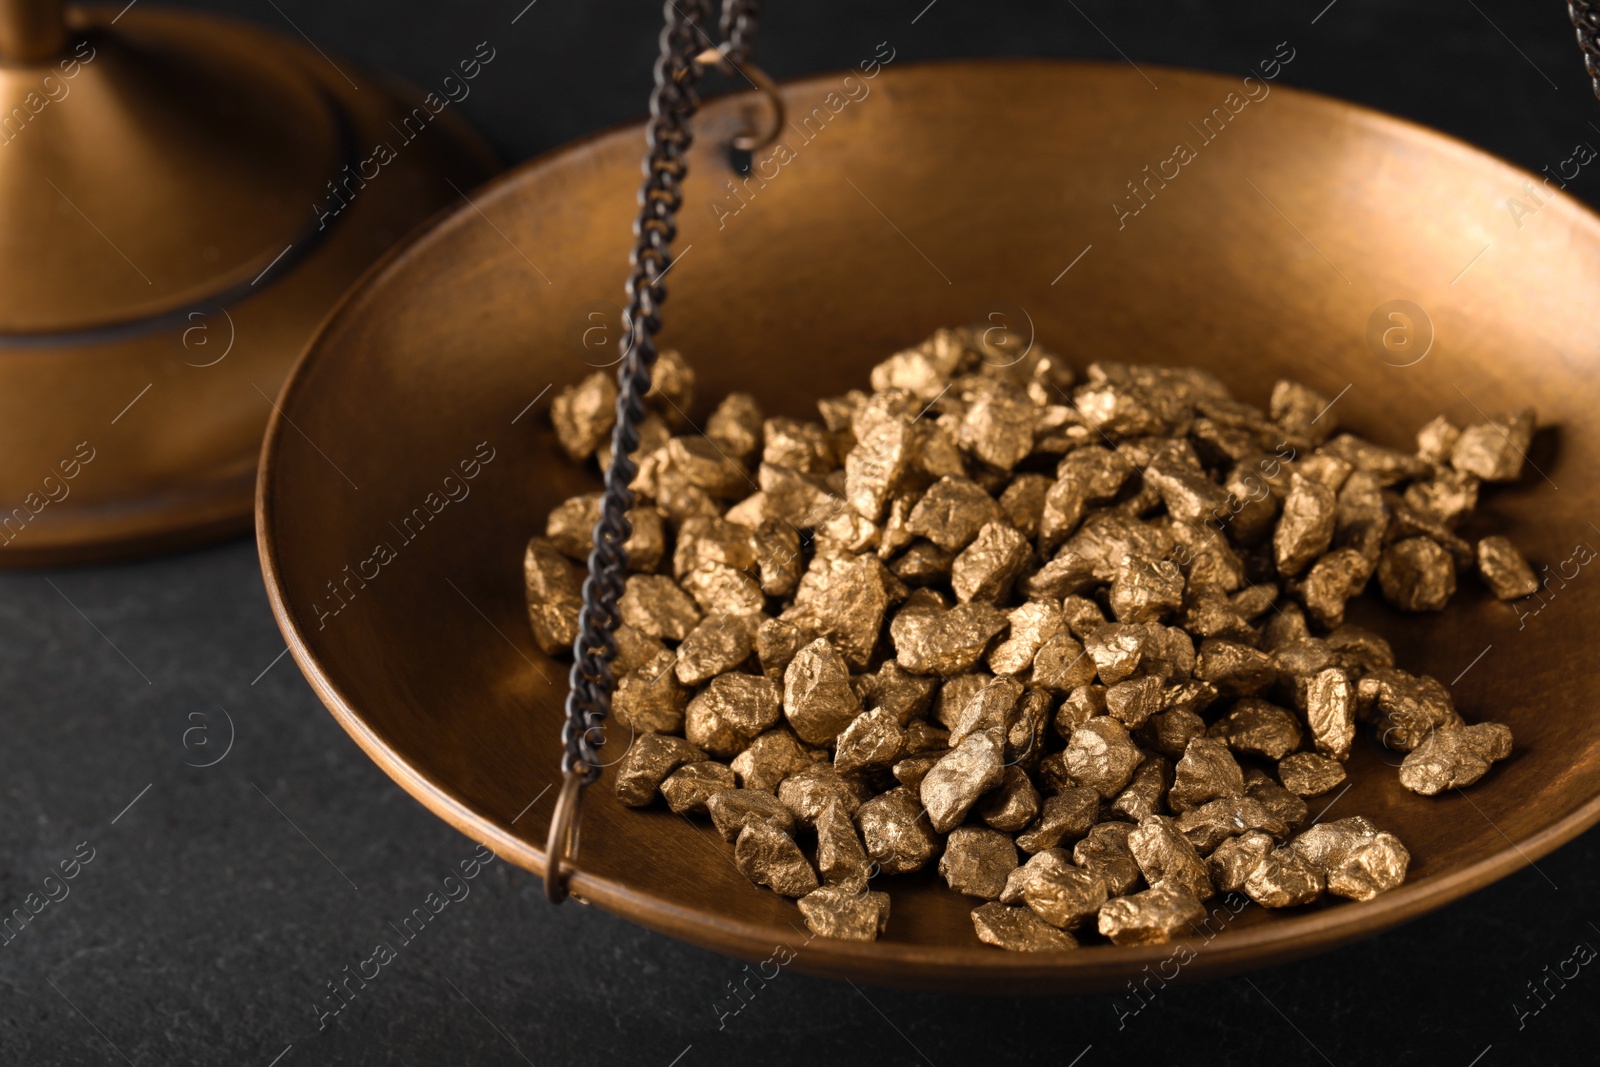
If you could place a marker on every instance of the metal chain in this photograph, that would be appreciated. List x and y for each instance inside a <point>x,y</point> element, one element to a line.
<point>1585,15</point>
<point>667,140</point>
<point>672,103</point>
<point>738,29</point>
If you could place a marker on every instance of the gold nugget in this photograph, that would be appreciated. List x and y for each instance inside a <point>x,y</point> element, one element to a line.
<point>1495,450</point>
<point>689,787</point>
<point>1018,929</point>
<point>731,810</point>
<point>896,832</point>
<point>977,862</point>
<point>1454,756</point>
<point>954,784</point>
<point>1163,853</point>
<point>1309,774</point>
<point>1059,892</point>
<point>554,588</point>
<point>649,760</point>
<point>730,712</point>
<point>1417,575</point>
<point>847,914</point>
<point>768,856</point>
<point>1505,569</point>
<point>1162,912</point>
<point>583,414</point>
<point>817,698</point>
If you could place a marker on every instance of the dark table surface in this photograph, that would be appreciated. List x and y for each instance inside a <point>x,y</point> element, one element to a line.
<point>220,901</point>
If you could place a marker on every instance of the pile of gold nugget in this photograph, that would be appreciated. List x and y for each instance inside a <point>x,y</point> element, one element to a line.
<point>1078,645</point>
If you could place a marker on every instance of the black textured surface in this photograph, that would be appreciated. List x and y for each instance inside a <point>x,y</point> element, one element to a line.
<point>217,907</point>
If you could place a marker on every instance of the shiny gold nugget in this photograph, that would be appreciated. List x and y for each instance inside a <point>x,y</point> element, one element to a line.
<point>732,810</point>
<point>1234,860</point>
<point>772,757</point>
<point>1164,854</point>
<point>817,698</point>
<point>689,787</point>
<point>584,413</point>
<point>955,783</point>
<point>777,545</point>
<point>846,914</point>
<point>1505,569</point>
<point>897,691</point>
<point>1214,822</point>
<point>736,425</point>
<point>718,644</point>
<point>991,707</point>
<point>1309,774</point>
<point>951,513</point>
<point>930,638</point>
<point>841,857</point>
<point>986,569</point>
<point>1258,728</point>
<point>806,447</point>
<point>873,739</point>
<point>648,762</point>
<point>1454,756</point>
<point>729,713</point>
<point>807,793</point>
<point>1147,792</point>
<point>654,604</point>
<point>977,861</point>
<point>1059,892</point>
<point>1162,912</point>
<point>1012,805</point>
<point>1102,756</point>
<point>1417,575</point>
<point>554,588</point>
<point>1331,712</point>
<point>1305,530</point>
<point>1360,861</point>
<point>1283,879</point>
<point>671,386</point>
<point>1206,772</point>
<point>896,832</point>
<point>1276,799</point>
<point>1495,450</point>
<point>769,857</point>
<point>1404,709</point>
<point>650,700</point>
<point>1063,819</point>
<point>1018,929</point>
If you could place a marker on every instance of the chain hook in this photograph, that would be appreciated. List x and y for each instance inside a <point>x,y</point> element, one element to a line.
<point>561,846</point>
<point>750,140</point>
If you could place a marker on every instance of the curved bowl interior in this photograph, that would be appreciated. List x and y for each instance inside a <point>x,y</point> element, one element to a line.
<point>922,197</point>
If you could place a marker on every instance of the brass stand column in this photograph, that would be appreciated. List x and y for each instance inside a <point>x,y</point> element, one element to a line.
<point>31,33</point>
<point>182,198</point>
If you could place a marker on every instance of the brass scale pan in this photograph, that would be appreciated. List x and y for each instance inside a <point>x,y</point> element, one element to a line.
<point>948,191</point>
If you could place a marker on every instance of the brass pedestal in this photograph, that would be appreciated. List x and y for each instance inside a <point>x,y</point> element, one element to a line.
<point>182,199</point>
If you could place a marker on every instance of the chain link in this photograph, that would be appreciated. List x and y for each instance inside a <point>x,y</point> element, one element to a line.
<point>667,138</point>
<point>1585,15</point>
<point>738,29</point>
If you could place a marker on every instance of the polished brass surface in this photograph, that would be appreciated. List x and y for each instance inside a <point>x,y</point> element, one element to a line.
<point>31,30</point>
<point>161,173</point>
<point>172,188</point>
<point>947,193</point>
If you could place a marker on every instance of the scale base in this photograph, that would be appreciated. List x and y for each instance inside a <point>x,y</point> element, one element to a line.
<point>141,434</point>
